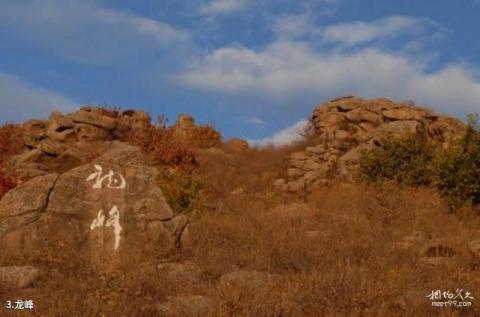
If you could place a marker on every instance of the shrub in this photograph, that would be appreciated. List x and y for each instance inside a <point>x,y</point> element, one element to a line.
<point>160,145</point>
<point>11,142</point>
<point>176,161</point>
<point>183,190</point>
<point>203,136</point>
<point>403,160</point>
<point>456,169</point>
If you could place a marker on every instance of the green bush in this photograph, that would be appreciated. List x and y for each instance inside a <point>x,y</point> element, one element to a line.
<point>404,160</point>
<point>183,190</point>
<point>456,170</point>
<point>411,160</point>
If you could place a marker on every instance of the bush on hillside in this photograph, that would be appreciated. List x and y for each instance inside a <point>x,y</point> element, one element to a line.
<point>183,190</point>
<point>456,170</point>
<point>159,143</point>
<point>406,160</point>
<point>203,137</point>
<point>176,161</point>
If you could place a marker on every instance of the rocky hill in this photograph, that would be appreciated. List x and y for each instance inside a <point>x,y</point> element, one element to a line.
<point>113,215</point>
<point>346,126</point>
<point>66,141</point>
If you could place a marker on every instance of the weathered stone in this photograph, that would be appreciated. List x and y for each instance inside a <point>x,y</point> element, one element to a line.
<point>28,197</point>
<point>59,128</point>
<point>311,176</point>
<point>294,172</point>
<point>51,147</point>
<point>296,186</point>
<point>33,132</point>
<point>280,184</point>
<point>18,276</point>
<point>318,149</point>
<point>26,157</point>
<point>400,128</point>
<point>342,135</point>
<point>111,200</point>
<point>298,156</point>
<point>27,171</point>
<point>404,114</point>
<point>333,118</point>
<point>311,165</point>
<point>94,119</point>
<point>363,115</point>
<point>88,132</point>
<point>296,164</point>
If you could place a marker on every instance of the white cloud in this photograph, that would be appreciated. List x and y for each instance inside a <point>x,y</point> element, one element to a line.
<point>215,7</point>
<point>283,137</point>
<point>255,120</point>
<point>81,30</point>
<point>293,25</point>
<point>354,33</point>
<point>20,100</point>
<point>287,69</point>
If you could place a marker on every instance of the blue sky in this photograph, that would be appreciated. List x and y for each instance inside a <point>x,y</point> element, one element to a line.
<point>254,69</point>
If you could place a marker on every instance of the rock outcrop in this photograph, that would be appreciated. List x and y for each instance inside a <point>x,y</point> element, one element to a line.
<point>66,141</point>
<point>346,126</point>
<point>109,211</point>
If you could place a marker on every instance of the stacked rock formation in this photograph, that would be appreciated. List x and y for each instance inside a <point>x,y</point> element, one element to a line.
<point>63,142</point>
<point>346,126</point>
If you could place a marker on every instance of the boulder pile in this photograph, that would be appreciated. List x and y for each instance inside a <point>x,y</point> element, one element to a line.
<point>346,126</point>
<point>66,141</point>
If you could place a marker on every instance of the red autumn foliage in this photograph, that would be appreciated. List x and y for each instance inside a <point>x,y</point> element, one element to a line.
<point>203,137</point>
<point>159,143</point>
<point>10,141</point>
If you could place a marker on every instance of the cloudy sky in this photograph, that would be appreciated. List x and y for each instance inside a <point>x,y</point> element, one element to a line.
<point>253,68</point>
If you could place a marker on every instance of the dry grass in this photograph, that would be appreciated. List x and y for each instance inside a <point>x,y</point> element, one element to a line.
<point>339,255</point>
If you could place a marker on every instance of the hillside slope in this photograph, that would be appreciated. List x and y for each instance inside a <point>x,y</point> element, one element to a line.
<point>113,215</point>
